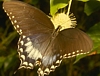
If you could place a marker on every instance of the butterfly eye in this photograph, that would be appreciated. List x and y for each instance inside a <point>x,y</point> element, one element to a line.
<point>40,43</point>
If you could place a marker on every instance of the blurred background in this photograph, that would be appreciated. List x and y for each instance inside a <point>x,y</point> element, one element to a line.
<point>87,14</point>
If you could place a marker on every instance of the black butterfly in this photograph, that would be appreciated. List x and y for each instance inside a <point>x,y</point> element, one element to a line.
<point>40,43</point>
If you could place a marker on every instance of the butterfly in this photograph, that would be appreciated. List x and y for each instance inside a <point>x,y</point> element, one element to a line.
<point>40,44</point>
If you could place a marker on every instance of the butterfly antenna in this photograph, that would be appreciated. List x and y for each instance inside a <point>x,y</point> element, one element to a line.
<point>69,7</point>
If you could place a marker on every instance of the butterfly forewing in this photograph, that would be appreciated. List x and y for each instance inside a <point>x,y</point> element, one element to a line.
<point>27,19</point>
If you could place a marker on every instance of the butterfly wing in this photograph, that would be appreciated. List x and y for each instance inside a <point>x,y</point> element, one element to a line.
<point>27,19</point>
<point>68,43</point>
<point>35,29</point>
<point>73,42</point>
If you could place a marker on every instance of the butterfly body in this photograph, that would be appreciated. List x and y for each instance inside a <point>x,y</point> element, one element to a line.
<point>40,43</point>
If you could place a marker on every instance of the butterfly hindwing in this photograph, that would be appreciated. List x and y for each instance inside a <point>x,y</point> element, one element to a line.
<point>38,50</point>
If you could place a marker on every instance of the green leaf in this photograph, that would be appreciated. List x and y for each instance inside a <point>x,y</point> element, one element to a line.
<point>10,61</point>
<point>79,57</point>
<point>94,33</point>
<point>57,4</point>
<point>9,39</point>
<point>83,0</point>
<point>88,0</point>
<point>34,2</point>
<point>2,60</point>
<point>91,6</point>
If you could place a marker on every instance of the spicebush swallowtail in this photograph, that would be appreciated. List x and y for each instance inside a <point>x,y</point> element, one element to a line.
<point>40,43</point>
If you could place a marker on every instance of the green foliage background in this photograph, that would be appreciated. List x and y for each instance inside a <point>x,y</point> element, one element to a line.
<point>87,13</point>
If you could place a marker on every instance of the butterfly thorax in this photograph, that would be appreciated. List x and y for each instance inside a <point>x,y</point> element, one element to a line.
<point>56,31</point>
<point>53,37</point>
